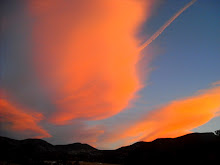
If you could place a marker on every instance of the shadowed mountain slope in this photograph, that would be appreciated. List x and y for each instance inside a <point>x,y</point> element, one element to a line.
<point>198,148</point>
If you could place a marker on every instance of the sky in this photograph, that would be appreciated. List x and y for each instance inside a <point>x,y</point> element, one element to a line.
<point>77,71</point>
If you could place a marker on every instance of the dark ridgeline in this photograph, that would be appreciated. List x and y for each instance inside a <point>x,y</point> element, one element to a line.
<point>195,148</point>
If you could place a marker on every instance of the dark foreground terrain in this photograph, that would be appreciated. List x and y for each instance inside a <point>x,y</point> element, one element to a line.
<point>195,148</point>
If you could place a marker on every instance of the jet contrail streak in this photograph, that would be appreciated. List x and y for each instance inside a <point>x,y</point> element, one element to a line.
<point>155,35</point>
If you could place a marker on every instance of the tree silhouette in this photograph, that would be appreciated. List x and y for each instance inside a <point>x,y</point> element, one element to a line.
<point>217,132</point>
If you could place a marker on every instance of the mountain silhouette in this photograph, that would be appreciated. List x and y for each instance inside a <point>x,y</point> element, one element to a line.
<point>194,148</point>
<point>75,147</point>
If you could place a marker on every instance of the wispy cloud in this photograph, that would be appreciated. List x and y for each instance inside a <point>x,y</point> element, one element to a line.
<point>173,119</point>
<point>15,117</point>
<point>216,83</point>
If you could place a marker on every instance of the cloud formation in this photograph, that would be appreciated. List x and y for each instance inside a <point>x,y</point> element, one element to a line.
<point>174,119</point>
<point>216,83</point>
<point>86,55</point>
<point>68,62</point>
<point>16,118</point>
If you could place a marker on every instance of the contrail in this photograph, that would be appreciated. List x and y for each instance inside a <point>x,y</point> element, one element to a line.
<point>155,35</point>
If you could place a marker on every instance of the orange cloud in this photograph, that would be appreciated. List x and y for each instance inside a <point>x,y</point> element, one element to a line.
<point>86,54</point>
<point>16,119</point>
<point>174,119</point>
<point>179,117</point>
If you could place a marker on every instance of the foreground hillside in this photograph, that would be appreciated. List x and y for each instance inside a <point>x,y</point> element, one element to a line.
<point>197,148</point>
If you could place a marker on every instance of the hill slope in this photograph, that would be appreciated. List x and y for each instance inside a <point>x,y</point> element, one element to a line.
<point>194,148</point>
